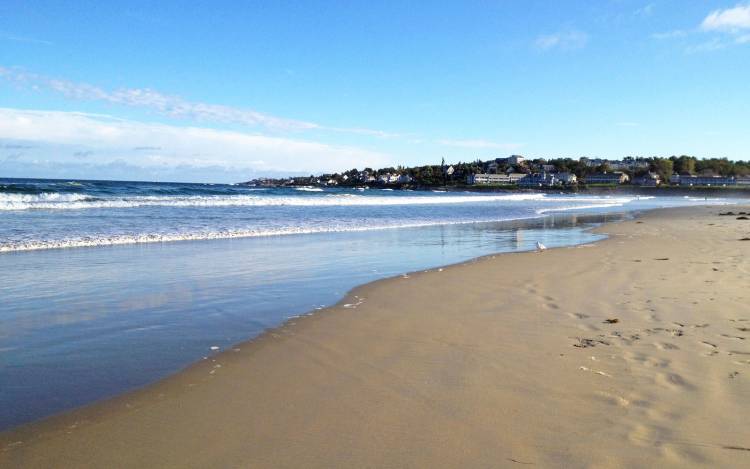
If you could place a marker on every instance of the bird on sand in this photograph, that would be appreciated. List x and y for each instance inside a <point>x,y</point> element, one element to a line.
<point>540,246</point>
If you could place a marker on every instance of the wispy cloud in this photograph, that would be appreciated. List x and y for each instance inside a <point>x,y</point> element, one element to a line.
<point>730,20</point>
<point>147,148</point>
<point>111,139</point>
<point>168,105</point>
<point>731,26</point>
<point>28,40</point>
<point>479,144</point>
<point>720,29</point>
<point>566,40</point>
<point>174,106</point>
<point>646,10</point>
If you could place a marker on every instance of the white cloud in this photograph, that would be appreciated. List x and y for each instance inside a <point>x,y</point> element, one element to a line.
<point>478,144</point>
<point>728,20</point>
<point>562,40</point>
<point>171,106</point>
<point>174,106</point>
<point>646,10</point>
<point>110,139</point>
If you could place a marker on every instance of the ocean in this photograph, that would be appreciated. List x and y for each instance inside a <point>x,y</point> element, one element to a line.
<point>108,286</point>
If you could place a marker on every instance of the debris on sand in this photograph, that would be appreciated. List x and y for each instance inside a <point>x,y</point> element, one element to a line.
<point>611,321</point>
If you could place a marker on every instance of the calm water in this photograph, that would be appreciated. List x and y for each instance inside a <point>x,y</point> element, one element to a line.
<point>95,300</point>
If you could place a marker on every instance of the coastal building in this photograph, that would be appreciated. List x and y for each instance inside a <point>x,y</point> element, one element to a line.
<point>388,178</point>
<point>627,164</point>
<point>649,180</point>
<point>703,180</point>
<point>615,177</point>
<point>515,159</point>
<point>404,179</point>
<point>742,181</point>
<point>538,180</point>
<point>567,178</point>
<point>484,178</point>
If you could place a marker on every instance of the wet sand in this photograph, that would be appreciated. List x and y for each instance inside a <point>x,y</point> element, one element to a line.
<point>634,351</point>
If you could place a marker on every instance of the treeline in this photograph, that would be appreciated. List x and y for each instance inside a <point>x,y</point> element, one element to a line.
<point>457,173</point>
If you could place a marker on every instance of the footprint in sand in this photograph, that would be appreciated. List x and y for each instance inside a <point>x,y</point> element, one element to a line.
<point>713,349</point>
<point>647,360</point>
<point>666,346</point>
<point>578,315</point>
<point>673,381</point>
<point>612,399</point>
<point>734,337</point>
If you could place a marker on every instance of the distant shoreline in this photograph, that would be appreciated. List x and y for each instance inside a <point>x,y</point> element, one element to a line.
<point>580,189</point>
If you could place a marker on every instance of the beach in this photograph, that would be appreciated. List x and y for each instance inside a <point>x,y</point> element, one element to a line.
<point>632,351</point>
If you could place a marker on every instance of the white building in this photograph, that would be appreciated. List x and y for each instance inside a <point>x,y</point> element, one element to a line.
<point>615,177</point>
<point>515,159</point>
<point>538,180</point>
<point>479,178</point>
<point>688,180</point>
<point>567,178</point>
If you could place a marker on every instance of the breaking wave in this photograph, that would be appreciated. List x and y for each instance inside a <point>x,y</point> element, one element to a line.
<point>61,201</point>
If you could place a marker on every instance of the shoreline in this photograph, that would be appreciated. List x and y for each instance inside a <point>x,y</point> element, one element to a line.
<point>348,298</point>
<point>203,372</point>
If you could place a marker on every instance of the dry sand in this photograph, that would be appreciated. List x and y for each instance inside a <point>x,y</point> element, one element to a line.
<point>501,362</point>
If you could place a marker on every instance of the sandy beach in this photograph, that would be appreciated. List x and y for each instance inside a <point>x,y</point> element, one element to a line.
<point>631,352</point>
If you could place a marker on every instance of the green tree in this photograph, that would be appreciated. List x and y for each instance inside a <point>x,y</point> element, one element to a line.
<point>663,167</point>
<point>684,164</point>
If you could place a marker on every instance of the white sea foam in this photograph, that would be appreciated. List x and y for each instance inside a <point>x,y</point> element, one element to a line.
<point>57,201</point>
<point>308,189</point>
<point>566,208</point>
<point>121,239</point>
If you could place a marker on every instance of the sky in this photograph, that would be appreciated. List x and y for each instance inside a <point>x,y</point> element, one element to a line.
<point>220,91</point>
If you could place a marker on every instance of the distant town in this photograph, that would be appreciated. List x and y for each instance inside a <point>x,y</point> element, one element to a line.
<point>517,171</point>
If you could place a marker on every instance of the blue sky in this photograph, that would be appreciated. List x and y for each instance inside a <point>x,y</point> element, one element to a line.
<point>216,91</point>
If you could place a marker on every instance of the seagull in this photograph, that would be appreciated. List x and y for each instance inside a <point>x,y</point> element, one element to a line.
<point>540,246</point>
